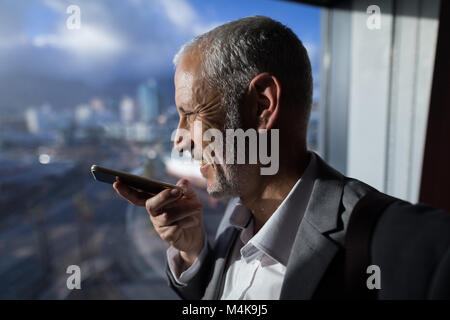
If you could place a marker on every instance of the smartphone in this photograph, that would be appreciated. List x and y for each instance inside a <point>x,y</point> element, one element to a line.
<point>140,183</point>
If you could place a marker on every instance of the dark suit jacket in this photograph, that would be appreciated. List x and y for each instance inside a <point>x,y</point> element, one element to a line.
<point>411,245</point>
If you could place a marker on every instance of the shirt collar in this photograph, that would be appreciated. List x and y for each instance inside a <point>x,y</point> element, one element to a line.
<point>277,235</point>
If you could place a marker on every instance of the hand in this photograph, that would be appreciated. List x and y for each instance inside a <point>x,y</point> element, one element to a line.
<point>176,217</point>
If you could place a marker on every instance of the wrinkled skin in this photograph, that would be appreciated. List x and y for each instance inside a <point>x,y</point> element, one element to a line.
<point>197,102</point>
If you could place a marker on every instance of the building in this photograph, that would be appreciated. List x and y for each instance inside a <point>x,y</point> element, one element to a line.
<point>127,110</point>
<point>149,101</point>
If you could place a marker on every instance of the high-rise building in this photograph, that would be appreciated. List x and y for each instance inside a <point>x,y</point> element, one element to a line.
<point>40,119</point>
<point>127,109</point>
<point>148,100</point>
<point>32,120</point>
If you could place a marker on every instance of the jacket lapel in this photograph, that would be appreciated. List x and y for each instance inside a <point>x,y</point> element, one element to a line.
<point>312,250</point>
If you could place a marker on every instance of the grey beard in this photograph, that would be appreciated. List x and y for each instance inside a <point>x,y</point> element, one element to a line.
<point>225,184</point>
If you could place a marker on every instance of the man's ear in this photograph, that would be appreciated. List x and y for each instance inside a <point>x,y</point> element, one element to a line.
<point>265,89</point>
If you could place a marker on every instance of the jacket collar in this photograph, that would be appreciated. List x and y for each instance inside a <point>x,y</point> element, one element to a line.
<point>323,208</point>
<point>313,251</point>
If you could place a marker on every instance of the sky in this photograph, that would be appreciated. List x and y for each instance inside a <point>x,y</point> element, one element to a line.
<point>128,38</point>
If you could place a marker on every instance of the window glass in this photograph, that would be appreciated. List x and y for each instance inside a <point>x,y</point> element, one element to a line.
<point>93,84</point>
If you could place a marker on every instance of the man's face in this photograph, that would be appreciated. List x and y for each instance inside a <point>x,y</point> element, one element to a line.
<point>199,110</point>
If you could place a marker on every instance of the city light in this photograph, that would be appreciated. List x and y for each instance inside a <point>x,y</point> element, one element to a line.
<point>44,158</point>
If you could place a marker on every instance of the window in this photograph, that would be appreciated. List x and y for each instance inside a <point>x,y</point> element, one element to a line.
<point>97,88</point>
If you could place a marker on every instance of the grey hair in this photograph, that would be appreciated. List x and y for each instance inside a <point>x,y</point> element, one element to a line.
<point>235,52</point>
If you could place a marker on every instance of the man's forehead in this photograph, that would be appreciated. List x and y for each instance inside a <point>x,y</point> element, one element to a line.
<point>183,88</point>
<point>190,90</point>
<point>189,65</point>
<point>185,75</point>
<point>183,79</point>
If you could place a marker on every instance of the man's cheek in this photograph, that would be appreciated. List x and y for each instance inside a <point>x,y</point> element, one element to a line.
<point>208,141</point>
<point>197,137</point>
<point>213,145</point>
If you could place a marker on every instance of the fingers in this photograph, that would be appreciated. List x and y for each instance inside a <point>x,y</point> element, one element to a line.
<point>185,223</point>
<point>170,216</point>
<point>133,196</point>
<point>156,203</point>
<point>170,234</point>
<point>187,188</point>
<point>188,222</point>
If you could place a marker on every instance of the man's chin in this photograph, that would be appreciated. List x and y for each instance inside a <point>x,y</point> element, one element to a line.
<point>216,191</point>
<point>218,187</point>
<point>218,194</point>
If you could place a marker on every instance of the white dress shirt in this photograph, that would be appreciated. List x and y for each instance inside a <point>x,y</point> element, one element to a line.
<point>257,264</point>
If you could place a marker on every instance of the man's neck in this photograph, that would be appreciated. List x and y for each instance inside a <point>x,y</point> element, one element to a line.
<point>270,191</point>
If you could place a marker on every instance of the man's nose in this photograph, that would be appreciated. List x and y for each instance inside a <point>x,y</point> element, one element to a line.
<point>183,143</point>
<point>183,140</point>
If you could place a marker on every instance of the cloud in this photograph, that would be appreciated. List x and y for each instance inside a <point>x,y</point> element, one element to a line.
<point>183,16</point>
<point>117,39</point>
<point>56,5</point>
<point>180,14</point>
<point>89,41</point>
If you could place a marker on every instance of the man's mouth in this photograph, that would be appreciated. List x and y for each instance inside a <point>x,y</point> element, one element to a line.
<point>204,167</point>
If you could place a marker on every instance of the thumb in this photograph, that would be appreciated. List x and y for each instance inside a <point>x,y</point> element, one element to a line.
<point>188,190</point>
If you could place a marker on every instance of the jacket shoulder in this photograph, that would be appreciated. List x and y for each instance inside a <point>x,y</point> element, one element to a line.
<point>409,244</point>
<point>353,190</point>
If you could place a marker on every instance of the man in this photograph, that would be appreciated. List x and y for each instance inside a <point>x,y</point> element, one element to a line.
<point>282,236</point>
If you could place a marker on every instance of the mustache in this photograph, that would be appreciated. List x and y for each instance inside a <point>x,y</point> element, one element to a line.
<point>197,157</point>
